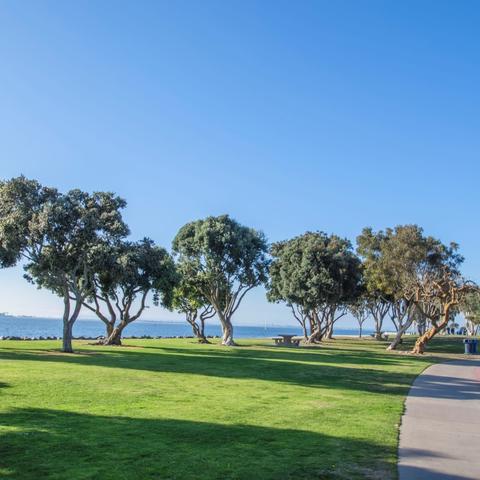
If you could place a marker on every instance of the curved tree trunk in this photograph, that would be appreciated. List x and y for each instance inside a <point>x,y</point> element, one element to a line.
<point>67,337</point>
<point>314,337</point>
<point>316,331</point>
<point>109,329</point>
<point>379,312</point>
<point>422,341</point>
<point>115,337</point>
<point>69,319</point>
<point>199,332</point>
<point>397,340</point>
<point>305,333</point>
<point>227,337</point>
<point>227,329</point>
<point>329,333</point>
<point>315,334</point>
<point>202,337</point>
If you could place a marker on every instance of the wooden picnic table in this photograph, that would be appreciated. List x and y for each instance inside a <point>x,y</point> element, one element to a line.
<point>286,339</point>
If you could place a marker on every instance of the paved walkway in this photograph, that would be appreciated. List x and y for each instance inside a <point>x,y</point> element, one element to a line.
<point>440,432</point>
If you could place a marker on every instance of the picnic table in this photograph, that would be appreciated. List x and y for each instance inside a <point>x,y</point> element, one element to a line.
<point>286,339</point>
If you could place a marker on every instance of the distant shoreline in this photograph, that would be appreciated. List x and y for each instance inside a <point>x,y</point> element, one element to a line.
<point>143,320</point>
<point>36,327</point>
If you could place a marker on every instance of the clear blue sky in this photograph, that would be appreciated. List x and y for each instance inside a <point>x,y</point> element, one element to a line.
<point>287,115</point>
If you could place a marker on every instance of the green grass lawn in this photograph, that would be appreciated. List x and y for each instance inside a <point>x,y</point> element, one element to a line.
<point>173,409</point>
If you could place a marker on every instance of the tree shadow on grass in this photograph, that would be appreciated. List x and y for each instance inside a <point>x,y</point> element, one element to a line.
<point>53,445</point>
<point>317,354</point>
<point>278,366</point>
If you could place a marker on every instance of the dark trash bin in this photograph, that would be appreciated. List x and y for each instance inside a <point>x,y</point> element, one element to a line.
<point>470,346</point>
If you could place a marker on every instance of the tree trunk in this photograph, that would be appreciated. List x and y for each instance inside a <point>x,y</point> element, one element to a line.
<point>199,332</point>
<point>397,340</point>
<point>227,338</point>
<point>400,332</point>
<point>422,341</point>
<point>421,327</point>
<point>378,328</point>
<point>360,331</point>
<point>315,335</point>
<point>67,337</point>
<point>69,319</point>
<point>202,338</point>
<point>109,329</point>
<point>329,333</point>
<point>305,333</point>
<point>227,330</point>
<point>115,337</point>
<point>471,328</point>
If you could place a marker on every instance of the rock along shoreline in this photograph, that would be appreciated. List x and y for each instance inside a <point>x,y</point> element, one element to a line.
<point>143,337</point>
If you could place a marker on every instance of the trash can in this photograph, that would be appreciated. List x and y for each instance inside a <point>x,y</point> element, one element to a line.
<point>474,345</point>
<point>468,346</point>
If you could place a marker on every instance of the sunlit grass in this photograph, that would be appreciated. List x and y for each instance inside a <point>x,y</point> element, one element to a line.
<point>173,409</point>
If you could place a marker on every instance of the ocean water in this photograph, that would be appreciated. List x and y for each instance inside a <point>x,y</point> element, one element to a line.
<point>51,327</point>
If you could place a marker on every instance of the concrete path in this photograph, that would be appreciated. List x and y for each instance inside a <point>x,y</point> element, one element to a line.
<point>440,432</point>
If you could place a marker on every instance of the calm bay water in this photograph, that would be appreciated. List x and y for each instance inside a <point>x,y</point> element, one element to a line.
<point>49,327</point>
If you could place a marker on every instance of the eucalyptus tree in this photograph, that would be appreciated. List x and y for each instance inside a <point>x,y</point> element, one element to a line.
<point>124,274</point>
<point>224,261</point>
<point>317,274</point>
<point>56,234</point>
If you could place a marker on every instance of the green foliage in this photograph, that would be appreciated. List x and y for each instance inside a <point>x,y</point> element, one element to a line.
<point>470,307</point>
<point>56,234</point>
<point>187,297</point>
<point>65,233</point>
<point>312,270</point>
<point>393,259</point>
<point>222,260</point>
<point>123,270</point>
<point>219,251</point>
<point>21,203</point>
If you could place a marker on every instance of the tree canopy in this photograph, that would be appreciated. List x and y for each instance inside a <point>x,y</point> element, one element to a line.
<point>188,299</point>
<point>56,235</point>
<point>123,272</point>
<point>316,272</point>
<point>21,201</point>
<point>224,260</point>
<point>393,261</point>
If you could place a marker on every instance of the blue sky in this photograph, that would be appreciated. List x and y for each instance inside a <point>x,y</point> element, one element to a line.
<point>290,116</point>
